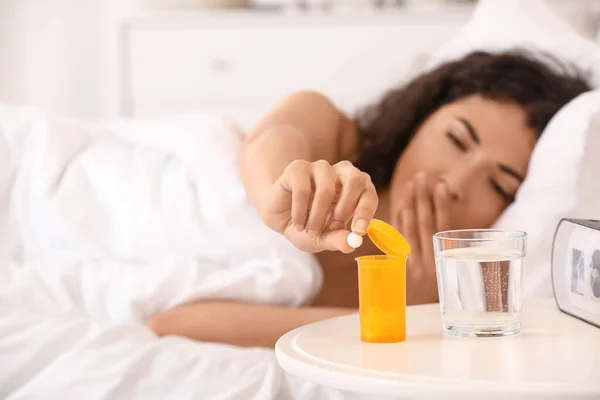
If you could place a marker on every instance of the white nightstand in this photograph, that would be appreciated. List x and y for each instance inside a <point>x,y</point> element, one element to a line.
<point>555,357</point>
<point>241,62</point>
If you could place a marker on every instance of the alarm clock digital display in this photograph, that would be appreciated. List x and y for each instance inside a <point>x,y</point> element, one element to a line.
<point>576,268</point>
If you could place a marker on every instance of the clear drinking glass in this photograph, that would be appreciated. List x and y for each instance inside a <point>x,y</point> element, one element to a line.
<point>479,274</point>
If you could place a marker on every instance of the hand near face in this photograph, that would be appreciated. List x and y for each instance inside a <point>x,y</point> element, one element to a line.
<point>422,210</point>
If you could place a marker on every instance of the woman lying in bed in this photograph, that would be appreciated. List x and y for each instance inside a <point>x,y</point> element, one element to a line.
<point>446,151</point>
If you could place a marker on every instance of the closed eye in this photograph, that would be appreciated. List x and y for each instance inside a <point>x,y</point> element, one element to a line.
<point>503,193</point>
<point>456,141</point>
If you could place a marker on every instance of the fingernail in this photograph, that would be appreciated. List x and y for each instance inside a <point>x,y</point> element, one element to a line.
<point>360,226</point>
<point>299,228</point>
<point>312,233</point>
<point>335,225</point>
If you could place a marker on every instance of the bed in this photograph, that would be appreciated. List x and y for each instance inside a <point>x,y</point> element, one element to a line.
<point>86,251</point>
<point>83,266</point>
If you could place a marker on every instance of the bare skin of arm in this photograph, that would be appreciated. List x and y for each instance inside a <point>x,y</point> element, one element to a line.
<point>237,323</point>
<point>303,126</point>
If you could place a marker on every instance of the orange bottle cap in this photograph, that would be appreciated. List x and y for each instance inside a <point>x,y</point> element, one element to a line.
<point>388,239</point>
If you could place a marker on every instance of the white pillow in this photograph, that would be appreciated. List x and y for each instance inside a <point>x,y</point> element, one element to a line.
<point>500,25</point>
<point>551,190</point>
<point>582,15</point>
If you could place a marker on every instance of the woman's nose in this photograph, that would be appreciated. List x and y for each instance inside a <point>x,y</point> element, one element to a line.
<point>459,180</point>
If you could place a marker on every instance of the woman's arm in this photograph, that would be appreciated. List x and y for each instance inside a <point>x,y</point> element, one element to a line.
<point>303,126</point>
<point>237,323</point>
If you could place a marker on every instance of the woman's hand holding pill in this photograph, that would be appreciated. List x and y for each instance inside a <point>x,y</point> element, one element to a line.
<point>312,202</point>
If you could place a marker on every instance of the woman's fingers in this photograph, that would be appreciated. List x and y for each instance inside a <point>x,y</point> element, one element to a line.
<point>324,180</point>
<point>441,202</point>
<point>334,241</point>
<point>327,240</point>
<point>365,209</point>
<point>403,199</point>
<point>358,200</point>
<point>297,179</point>
<point>425,217</point>
<point>353,183</point>
<point>408,218</point>
<point>319,199</point>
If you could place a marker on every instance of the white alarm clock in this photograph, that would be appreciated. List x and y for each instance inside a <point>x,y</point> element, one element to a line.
<point>576,268</point>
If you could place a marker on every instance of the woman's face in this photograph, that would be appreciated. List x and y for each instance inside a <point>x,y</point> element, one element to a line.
<point>480,148</point>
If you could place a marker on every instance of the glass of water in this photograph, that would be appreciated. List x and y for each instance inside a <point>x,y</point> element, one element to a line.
<point>479,274</point>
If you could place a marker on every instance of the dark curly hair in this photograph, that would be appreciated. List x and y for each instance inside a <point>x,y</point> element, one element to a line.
<point>539,83</point>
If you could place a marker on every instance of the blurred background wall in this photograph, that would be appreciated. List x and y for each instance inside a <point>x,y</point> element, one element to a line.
<point>65,55</point>
<point>62,54</point>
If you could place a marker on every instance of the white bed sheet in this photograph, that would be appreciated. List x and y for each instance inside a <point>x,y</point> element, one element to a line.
<point>103,225</point>
<point>71,356</point>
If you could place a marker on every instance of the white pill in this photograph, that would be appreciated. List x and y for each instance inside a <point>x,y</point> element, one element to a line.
<point>354,240</point>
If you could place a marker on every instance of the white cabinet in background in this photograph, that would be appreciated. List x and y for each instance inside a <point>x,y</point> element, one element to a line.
<point>241,63</point>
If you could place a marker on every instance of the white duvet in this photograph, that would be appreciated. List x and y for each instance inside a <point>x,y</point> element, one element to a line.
<point>105,224</point>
